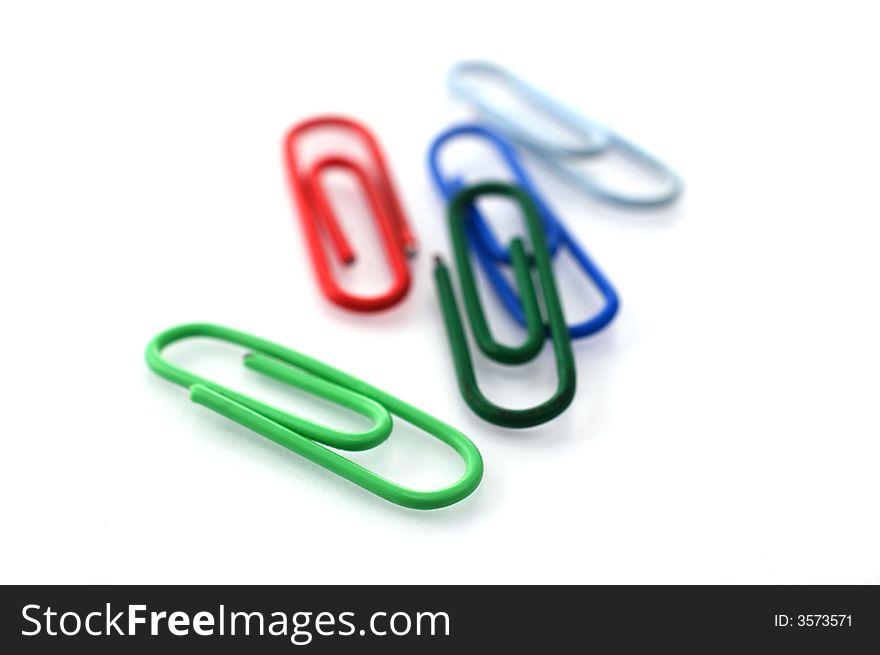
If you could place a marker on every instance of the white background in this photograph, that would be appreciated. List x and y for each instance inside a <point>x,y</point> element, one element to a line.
<point>725,427</point>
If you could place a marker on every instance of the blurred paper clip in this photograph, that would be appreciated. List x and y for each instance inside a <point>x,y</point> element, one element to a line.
<point>536,330</point>
<point>592,139</point>
<point>490,253</point>
<point>320,222</point>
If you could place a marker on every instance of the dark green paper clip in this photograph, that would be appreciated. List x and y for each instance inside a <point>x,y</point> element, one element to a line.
<point>535,327</point>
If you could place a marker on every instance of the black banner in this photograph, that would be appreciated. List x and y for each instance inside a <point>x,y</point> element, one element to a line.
<point>423,619</point>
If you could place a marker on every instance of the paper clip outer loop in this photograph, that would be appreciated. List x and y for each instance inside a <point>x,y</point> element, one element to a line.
<point>489,250</point>
<point>305,437</point>
<point>595,139</point>
<point>467,382</point>
<point>316,213</point>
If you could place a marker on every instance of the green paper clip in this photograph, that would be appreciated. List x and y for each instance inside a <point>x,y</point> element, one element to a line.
<point>305,437</point>
<point>535,327</point>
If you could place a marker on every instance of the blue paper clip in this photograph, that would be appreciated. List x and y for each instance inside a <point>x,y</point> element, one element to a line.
<point>595,139</point>
<point>489,251</point>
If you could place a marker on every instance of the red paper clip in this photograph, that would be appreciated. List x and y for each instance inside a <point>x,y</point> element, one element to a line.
<point>317,214</point>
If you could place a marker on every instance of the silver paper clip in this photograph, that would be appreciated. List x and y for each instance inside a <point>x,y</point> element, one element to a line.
<point>592,138</point>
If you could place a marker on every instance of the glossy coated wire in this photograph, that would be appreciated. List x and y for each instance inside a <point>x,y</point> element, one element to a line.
<point>319,220</point>
<point>490,253</point>
<point>535,328</point>
<point>306,437</point>
<point>591,138</point>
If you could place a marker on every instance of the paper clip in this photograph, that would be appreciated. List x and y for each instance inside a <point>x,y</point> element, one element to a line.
<point>317,216</point>
<point>594,139</point>
<point>305,437</point>
<point>490,252</point>
<point>535,328</point>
